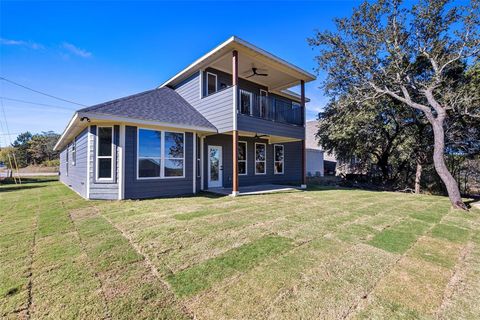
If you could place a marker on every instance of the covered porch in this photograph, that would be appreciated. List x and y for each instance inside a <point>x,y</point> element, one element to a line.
<point>253,190</point>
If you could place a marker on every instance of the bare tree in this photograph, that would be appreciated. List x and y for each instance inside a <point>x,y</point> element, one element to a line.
<point>388,49</point>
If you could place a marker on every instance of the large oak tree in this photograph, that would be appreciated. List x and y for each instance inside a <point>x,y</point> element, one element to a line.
<point>389,49</point>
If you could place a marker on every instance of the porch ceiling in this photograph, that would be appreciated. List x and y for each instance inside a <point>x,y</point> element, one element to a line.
<point>271,138</point>
<point>281,74</point>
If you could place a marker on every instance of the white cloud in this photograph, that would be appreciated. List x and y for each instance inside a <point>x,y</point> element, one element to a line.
<point>22,43</point>
<point>76,51</point>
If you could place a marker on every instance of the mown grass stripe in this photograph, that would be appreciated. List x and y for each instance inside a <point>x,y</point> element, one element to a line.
<point>200,277</point>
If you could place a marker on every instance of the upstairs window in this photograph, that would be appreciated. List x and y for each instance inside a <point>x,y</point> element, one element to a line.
<point>211,83</point>
<point>278,155</point>
<point>242,158</point>
<point>105,153</point>
<point>260,158</point>
<point>246,102</point>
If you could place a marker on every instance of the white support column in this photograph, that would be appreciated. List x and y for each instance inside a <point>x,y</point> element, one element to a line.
<point>194,163</point>
<point>202,161</point>
<point>121,164</point>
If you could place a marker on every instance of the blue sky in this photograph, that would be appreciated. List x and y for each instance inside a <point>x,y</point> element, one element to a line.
<point>90,52</point>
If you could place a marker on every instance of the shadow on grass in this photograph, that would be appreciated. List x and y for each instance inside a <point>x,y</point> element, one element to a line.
<point>18,188</point>
<point>30,180</point>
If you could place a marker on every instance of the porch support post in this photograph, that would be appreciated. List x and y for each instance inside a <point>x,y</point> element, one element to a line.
<point>235,131</point>
<point>304,154</point>
<point>194,171</point>
<point>121,164</point>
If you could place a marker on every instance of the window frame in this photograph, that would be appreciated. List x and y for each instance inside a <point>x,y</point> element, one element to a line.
<point>74,152</point>
<point>164,158</point>
<point>162,155</point>
<point>264,161</point>
<point>246,159</point>
<point>266,102</point>
<point>250,111</point>
<point>275,161</point>
<point>97,157</point>
<point>216,83</point>
<point>198,156</point>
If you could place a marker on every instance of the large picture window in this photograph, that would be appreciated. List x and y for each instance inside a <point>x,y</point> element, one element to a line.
<point>105,153</point>
<point>260,158</point>
<point>149,153</point>
<point>278,155</point>
<point>199,160</point>
<point>160,154</point>
<point>242,158</point>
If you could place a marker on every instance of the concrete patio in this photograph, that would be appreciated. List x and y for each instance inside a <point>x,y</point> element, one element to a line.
<point>252,190</point>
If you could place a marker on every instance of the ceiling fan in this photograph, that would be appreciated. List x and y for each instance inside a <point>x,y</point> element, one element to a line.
<point>257,136</point>
<point>255,72</point>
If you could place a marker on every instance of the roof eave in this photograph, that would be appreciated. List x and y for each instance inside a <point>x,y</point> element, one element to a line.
<point>197,64</point>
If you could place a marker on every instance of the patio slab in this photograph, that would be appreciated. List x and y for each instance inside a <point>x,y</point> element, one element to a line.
<point>252,190</point>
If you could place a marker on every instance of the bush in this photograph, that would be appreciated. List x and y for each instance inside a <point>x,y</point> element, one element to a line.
<point>51,163</point>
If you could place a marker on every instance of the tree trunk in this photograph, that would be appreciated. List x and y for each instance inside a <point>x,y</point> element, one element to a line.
<point>441,168</point>
<point>418,177</point>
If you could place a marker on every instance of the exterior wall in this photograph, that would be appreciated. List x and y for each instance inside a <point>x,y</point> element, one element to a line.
<point>151,188</point>
<point>77,174</point>
<point>315,163</point>
<point>252,124</point>
<point>103,189</point>
<point>292,162</point>
<point>216,108</point>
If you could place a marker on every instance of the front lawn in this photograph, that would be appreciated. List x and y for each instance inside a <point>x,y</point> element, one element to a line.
<point>314,254</point>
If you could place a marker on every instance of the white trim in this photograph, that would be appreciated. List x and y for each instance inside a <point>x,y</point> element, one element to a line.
<point>265,161</point>
<point>246,159</point>
<point>235,106</point>
<point>194,140</point>
<point>202,161</point>
<point>97,157</point>
<point>136,122</point>
<point>216,83</point>
<point>121,164</point>
<point>201,83</point>
<point>74,118</point>
<point>74,151</point>
<point>89,154</point>
<point>162,155</point>
<point>67,159</point>
<point>232,41</point>
<point>283,158</point>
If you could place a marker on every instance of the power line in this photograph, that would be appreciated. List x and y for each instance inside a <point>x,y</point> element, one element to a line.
<point>36,103</point>
<point>40,92</point>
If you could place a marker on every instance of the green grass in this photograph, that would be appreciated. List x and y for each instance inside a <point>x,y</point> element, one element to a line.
<point>313,254</point>
<point>202,276</point>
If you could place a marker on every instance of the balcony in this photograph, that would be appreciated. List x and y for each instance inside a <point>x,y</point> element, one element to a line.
<point>270,108</point>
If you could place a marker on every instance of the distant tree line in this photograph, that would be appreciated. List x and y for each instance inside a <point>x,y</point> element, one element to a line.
<point>31,149</point>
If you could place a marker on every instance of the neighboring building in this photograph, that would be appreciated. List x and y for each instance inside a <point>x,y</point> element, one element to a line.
<point>225,120</point>
<point>319,163</point>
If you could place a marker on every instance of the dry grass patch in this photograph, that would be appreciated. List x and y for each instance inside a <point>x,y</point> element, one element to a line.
<point>414,285</point>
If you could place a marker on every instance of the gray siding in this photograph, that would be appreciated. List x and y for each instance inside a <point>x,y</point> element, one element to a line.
<point>77,174</point>
<point>252,124</point>
<point>151,188</point>
<point>216,108</point>
<point>292,162</point>
<point>103,189</point>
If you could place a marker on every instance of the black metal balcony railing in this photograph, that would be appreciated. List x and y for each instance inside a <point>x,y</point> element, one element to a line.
<point>270,108</point>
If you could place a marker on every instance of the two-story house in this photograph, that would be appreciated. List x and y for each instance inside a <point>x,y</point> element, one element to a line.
<point>227,120</point>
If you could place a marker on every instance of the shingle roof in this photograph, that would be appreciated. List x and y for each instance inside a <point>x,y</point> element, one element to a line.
<point>162,105</point>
